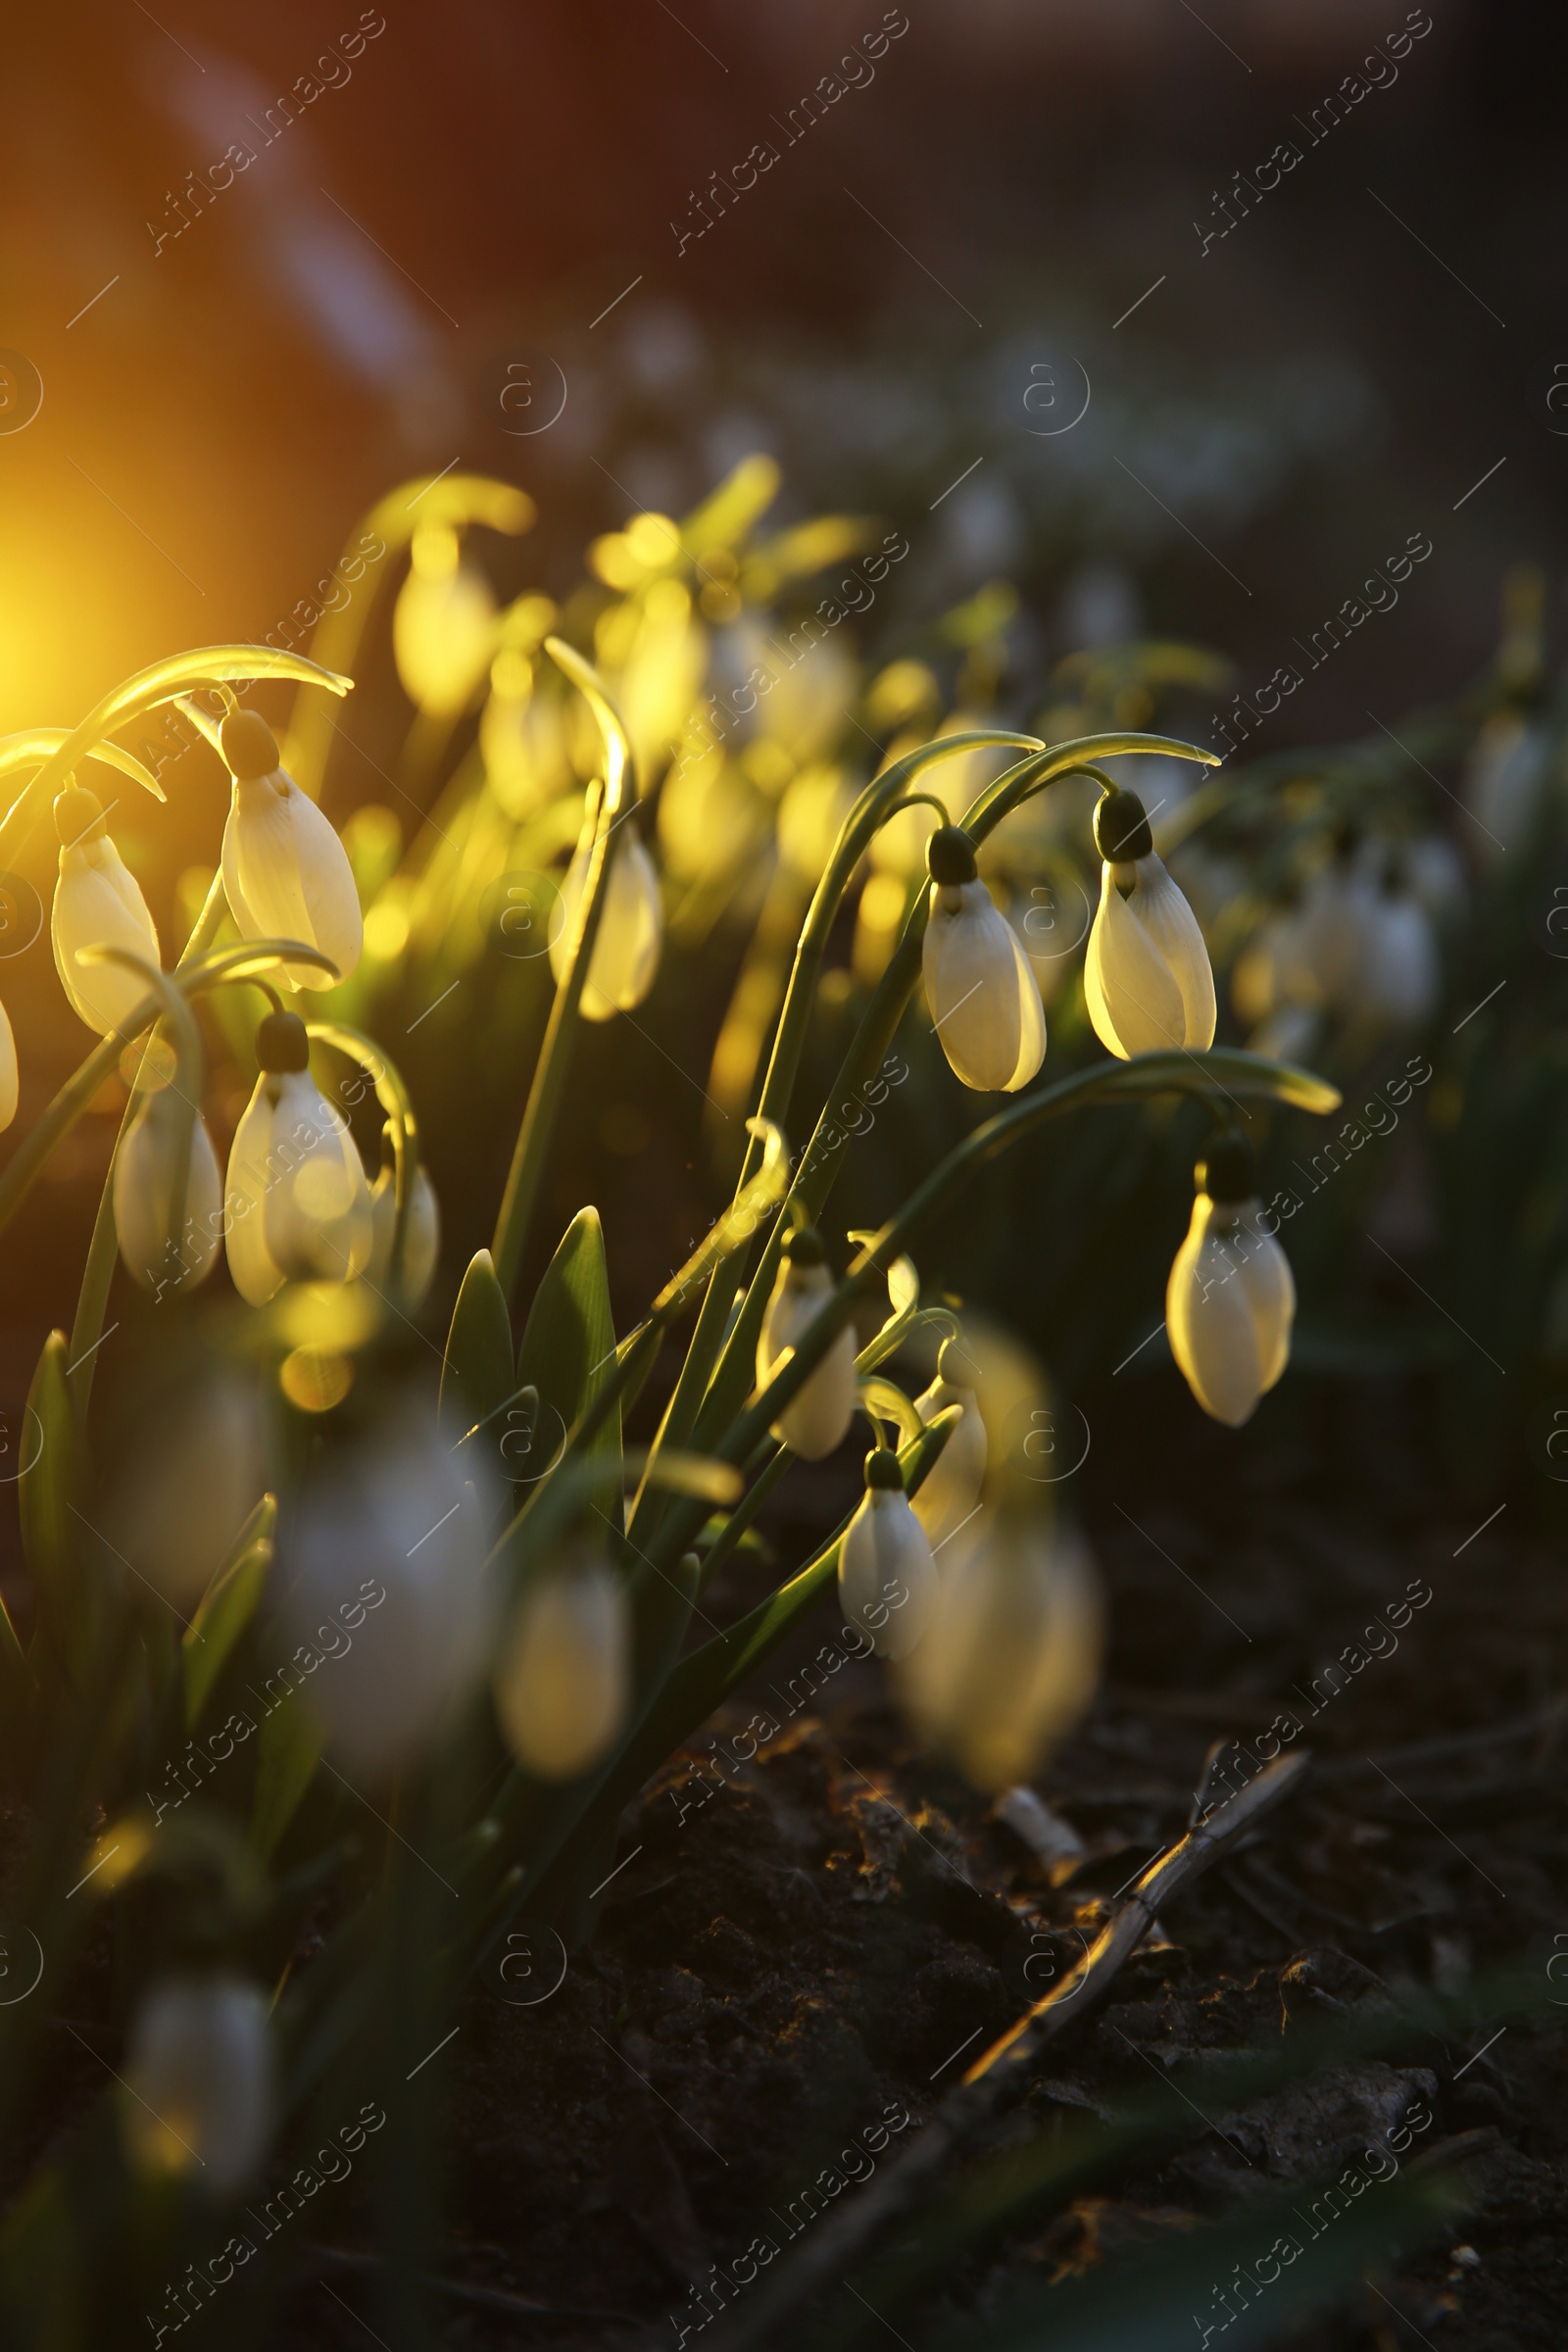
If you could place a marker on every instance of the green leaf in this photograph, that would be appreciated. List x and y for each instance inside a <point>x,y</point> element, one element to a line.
<point>476,1370</point>
<point>227,1606</point>
<point>47,1491</point>
<point>568,1346</point>
<point>17,1687</point>
<point>288,1749</point>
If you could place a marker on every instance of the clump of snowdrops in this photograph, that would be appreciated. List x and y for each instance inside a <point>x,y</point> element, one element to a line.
<point>344,1619</point>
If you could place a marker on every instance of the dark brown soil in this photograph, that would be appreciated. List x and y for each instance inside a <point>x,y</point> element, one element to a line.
<point>801,1949</point>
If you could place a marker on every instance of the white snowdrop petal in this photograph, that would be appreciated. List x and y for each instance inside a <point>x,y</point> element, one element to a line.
<point>1134,1001</point>
<point>564,1683</point>
<point>422,1238</point>
<point>97,903</point>
<point>631,928</point>
<point>254,1271</point>
<point>817,1420</point>
<point>887,1579</point>
<point>1162,907</point>
<point>1209,1320</point>
<point>985,1005</point>
<point>317,1212</point>
<point>145,1181</point>
<point>950,1489</point>
<point>331,899</point>
<point>1266,1279</point>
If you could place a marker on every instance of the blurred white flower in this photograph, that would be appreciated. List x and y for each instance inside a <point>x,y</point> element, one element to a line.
<point>950,1489</point>
<point>189,1473</point>
<point>147,1176</point>
<point>887,1578</point>
<point>1229,1299</point>
<point>200,2070</point>
<point>97,905</point>
<point>1504,779</point>
<point>286,875</point>
<point>1146,977</point>
<point>562,1683</point>
<point>1402,973</point>
<point>443,624</point>
<point>1011,1655</point>
<point>421,1235</point>
<point>631,927</point>
<point>817,1418</point>
<point>297,1205</point>
<point>384,1567</point>
<point>985,1002</point>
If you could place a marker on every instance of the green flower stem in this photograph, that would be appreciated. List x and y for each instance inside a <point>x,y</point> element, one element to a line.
<point>819,1164</point>
<point>1221,1069</point>
<point>741,1518</point>
<point>880,800</point>
<point>164,682</point>
<point>545,1095</point>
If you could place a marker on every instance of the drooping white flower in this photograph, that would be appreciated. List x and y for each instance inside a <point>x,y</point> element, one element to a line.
<point>1504,778</point>
<point>147,1170</point>
<point>950,1489</point>
<point>1402,975</point>
<point>97,905</point>
<point>286,875</point>
<point>443,624</point>
<point>817,1418</point>
<point>200,2070</point>
<point>1229,1299</point>
<point>383,1563</point>
<point>631,927</point>
<point>985,1002</point>
<point>1147,981</point>
<point>9,1079</point>
<point>297,1205</point>
<point>1011,1655</point>
<point>887,1578</point>
<point>562,1685</point>
<point>421,1235</point>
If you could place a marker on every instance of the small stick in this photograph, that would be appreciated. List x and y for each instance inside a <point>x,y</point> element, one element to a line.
<point>962,2113</point>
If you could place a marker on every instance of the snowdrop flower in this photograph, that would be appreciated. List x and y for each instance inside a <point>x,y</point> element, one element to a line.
<point>1229,1297</point>
<point>1400,977</point>
<point>297,1203</point>
<point>984,999</point>
<point>8,1071</point>
<point>384,1568</point>
<point>443,624</point>
<point>563,1686</point>
<point>887,1578</point>
<point>97,905</point>
<point>147,1177</point>
<point>950,1489</point>
<point>817,1418</point>
<point>422,1232</point>
<point>286,875</point>
<point>201,2074</point>
<point>1504,778</point>
<point>1146,976</point>
<point>1011,1655</point>
<point>631,928</point>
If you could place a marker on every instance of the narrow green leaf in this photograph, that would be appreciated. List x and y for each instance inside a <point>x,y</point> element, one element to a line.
<point>227,1606</point>
<point>476,1370</point>
<point>288,1749</point>
<point>47,1492</point>
<point>17,1687</point>
<point>568,1346</point>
